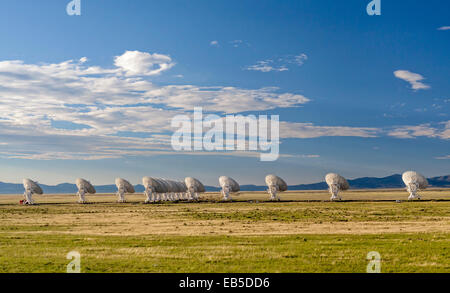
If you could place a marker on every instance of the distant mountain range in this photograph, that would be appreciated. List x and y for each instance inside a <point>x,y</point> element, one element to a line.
<point>394,181</point>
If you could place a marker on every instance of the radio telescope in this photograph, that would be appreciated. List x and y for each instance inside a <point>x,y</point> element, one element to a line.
<point>194,187</point>
<point>228,185</point>
<point>163,195</point>
<point>336,183</point>
<point>123,186</point>
<point>84,187</point>
<point>151,186</point>
<point>275,185</point>
<point>414,182</point>
<point>157,189</point>
<point>31,188</point>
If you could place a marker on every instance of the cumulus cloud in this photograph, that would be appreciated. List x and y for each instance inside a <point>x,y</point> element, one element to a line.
<point>109,105</point>
<point>123,113</point>
<point>414,79</point>
<point>143,63</point>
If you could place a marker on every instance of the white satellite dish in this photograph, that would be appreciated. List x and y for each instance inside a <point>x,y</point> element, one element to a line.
<point>194,187</point>
<point>31,188</point>
<point>336,183</point>
<point>414,182</point>
<point>123,186</point>
<point>157,189</point>
<point>84,187</point>
<point>229,185</point>
<point>275,184</point>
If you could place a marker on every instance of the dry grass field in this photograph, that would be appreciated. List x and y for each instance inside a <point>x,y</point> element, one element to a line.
<point>303,233</point>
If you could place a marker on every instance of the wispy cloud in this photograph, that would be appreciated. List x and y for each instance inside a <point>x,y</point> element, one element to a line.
<point>447,157</point>
<point>266,66</point>
<point>278,64</point>
<point>440,130</point>
<point>300,59</point>
<point>413,131</point>
<point>237,43</point>
<point>444,28</point>
<point>309,130</point>
<point>414,79</point>
<point>233,43</point>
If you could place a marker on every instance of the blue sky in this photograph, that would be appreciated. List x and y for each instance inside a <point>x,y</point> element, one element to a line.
<point>376,87</point>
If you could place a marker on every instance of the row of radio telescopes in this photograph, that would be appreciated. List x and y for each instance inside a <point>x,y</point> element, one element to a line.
<point>158,190</point>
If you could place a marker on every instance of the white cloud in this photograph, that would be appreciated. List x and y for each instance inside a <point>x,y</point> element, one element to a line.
<point>300,59</point>
<point>447,157</point>
<point>143,63</point>
<point>413,131</point>
<point>126,115</point>
<point>413,78</point>
<point>109,104</point>
<point>236,43</point>
<point>307,156</point>
<point>444,28</point>
<point>265,66</point>
<point>441,130</point>
<point>223,99</point>
<point>445,134</point>
<point>309,130</point>
<point>279,64</point>
<point>214,43</point>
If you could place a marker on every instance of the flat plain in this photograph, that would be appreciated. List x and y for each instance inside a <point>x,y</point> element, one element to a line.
<point>302,233</point>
